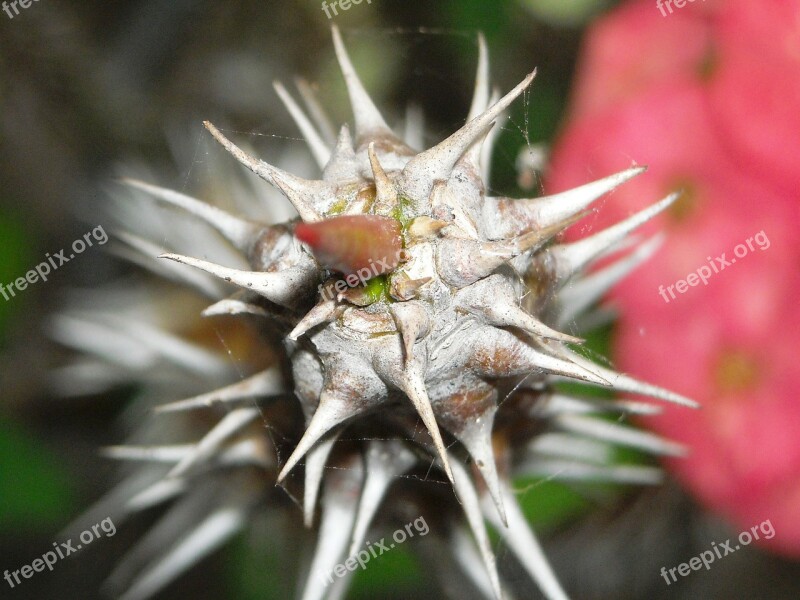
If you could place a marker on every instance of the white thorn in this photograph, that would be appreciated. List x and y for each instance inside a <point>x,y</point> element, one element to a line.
<point>343,164</point>
<point>369,121</point>
<point>570,470</point>
<point>414,387</point>
<point>330,412</point>
<point>571,258</point>
<point>143,253</point>
<point>386,461</point>
<point>319,149</point>
<point>624,383</point>
<point>528,213</point>
<point>477,439</point>
<point>480,98</point>
<point>323,312</point>
<point>239,232</point>
<point>204,537</point>
<point>403,288</point>
<point>423,227</point>
<point>618,434</point>
<point>282,287</point>
<point>488,341</point>
<point>489,141</point>
<point>232,306</point>
<point>414,134</point>
<point>569,447</point>
<point>494,299</point>
<point>230,424</point>
<point>386,195</point>
<point>577,296</point>
<point>261,384</point>
<point>556,366</point>
<point>304,194</point>
<point>509,315</point>
<point>558,403</point>
<point>161,491</point>
<point>525,546</point>
<point>164,454</point>
<point>316,459</point>
<point>413,323</point>
<point>419,175</point>
<point>316,110</point>
<point>470,503</point>
<point>468,558</point>
<point>338,515</point>
<point>461,262</point>
<point>557,207</point>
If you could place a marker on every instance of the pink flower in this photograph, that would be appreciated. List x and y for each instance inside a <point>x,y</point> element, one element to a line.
<point>635,46</point>
<point>710,99</point>
<point>665,127</point>
<point>754,93</point>
<point>734,358</point>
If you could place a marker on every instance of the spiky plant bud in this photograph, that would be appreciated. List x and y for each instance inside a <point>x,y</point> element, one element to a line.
<point>405,295</point>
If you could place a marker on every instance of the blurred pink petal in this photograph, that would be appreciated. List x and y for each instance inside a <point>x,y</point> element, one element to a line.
<point>727,133</point>
<point>755,89</point>
<point>624,53</point>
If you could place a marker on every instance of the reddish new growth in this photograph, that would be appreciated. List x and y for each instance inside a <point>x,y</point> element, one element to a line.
<point>349,243</point>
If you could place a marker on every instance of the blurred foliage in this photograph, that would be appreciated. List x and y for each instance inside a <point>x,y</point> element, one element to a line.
<point>493,18</point>
<point>15,260</point>
<point>257,571</point>
<point>565,12</point>
<point>35,490</point>
<point>396,570</point>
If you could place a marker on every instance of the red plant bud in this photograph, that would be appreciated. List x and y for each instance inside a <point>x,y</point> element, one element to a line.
<point>351,243</point>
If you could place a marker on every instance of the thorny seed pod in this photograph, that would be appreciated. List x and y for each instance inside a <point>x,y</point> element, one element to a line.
<point>462,336</point>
